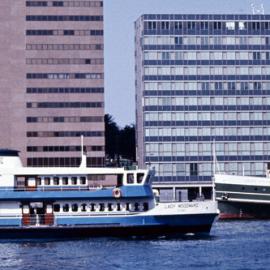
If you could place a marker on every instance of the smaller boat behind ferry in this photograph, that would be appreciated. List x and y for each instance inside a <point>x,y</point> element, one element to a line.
<point>243,197</point>
<point>46,202</point>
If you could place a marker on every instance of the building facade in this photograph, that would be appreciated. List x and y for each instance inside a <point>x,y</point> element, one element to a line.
<point>203,83</point>
<point>52,80</point>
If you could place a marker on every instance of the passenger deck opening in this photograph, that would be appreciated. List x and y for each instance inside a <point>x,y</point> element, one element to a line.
<point>119,180</point>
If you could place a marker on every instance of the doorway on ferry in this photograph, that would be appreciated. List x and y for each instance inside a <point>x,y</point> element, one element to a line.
<point>37,213</point>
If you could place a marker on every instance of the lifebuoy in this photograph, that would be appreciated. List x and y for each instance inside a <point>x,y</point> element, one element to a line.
<point>117,193</point>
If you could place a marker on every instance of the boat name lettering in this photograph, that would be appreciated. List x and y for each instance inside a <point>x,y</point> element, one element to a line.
<point>190,205</point>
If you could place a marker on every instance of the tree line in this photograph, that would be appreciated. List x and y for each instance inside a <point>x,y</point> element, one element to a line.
<point>119,142</point>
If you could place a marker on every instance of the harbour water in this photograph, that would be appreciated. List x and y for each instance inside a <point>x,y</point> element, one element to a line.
<point>231,245</point>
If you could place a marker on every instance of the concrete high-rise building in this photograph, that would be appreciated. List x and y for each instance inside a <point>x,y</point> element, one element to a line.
<point>203,80</point>
<point>52,80</point>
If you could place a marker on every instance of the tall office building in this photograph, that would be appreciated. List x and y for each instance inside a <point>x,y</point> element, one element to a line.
<point>203,80</point>
<point>52,80</point>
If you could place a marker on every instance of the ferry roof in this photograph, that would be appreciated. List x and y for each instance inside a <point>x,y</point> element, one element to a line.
<point>66,171</point>
<point>242,180</point>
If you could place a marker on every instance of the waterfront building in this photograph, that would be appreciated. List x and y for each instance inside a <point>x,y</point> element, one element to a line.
<point>52,80</point>
<point>203,80</point>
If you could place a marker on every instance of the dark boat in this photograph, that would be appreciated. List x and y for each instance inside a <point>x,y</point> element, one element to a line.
<point>243,197</point>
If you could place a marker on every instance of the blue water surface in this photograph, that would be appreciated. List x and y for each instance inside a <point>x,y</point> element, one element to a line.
<point>231,245</point>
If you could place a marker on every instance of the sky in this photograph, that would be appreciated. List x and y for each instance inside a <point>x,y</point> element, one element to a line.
<point>119,18</point>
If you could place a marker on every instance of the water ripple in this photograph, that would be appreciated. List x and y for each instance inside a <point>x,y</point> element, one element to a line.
<point>231,245</point>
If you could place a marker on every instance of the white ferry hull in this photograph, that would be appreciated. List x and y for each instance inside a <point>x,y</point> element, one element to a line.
<point>67,202</point>
<point>166,219</point>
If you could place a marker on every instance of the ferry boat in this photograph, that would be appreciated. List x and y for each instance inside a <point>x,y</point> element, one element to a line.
<point>243,197</point>
<point>55,202</point>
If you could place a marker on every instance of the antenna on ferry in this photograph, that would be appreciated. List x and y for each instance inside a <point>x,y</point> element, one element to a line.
<point>215,161</point>
<point>83,156</point>
<point>214,157</point>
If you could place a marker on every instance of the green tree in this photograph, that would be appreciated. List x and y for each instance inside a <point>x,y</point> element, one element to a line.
<point>119,142</point>
<point>111,137</point>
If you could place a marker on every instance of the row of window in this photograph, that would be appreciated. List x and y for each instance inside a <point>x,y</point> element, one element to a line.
<point>64,148</point>
<point>65,181</point>
<point>204,70</point>
<point>207,100</point>
<point>207,116</point>
<point>207,147</point>
<point>206,55</point>
<point>206,85</point>
<point>206,25</point>
<point>206,40</point>
<point>43,32</point>
<point>76,90</point>
<point>65,76</point>
<point>204,149</point>
<point>64,61</point>
<point>64,162</point>
<point>65,119</point>
<point>64,3</point>
<point>201,131</point>
<point>64,104</point>
<point>63,18</point>
<point>206,169</point>
<point>56,47</point>
<point>65,133</point>
<point>100,207</point>
<point>209,108</point>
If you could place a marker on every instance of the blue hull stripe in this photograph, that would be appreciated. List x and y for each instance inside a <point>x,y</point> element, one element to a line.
<point>139,220</point>
<point>10,221</point>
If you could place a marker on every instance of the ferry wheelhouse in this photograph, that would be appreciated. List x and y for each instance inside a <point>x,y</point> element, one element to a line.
<point>78,202</point>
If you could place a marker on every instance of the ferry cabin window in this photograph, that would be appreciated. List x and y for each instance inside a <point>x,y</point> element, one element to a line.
<point>110,207</point>
<point>127,206</point>
<point>83,207</point>
<point>56,181</point>
<point>65,208</point>
<point>140,178</point>
<point>56,208</point>
<point>145,206</point>
<point>101,207</point>
<point>92,207</point>
<point>38,181</point>
<point>119,180</point>
<point>130,178</point>
<point>65,181</point>
<point>82,180</point>
<point>118,208</point>
<point>47,181</point>
<point>136,206</point>
<point>73,180</point>
<point>74,207</point>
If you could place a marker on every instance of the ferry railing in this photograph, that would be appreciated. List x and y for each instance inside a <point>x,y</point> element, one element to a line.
<point>55,188</point>
<point>38,219</point>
